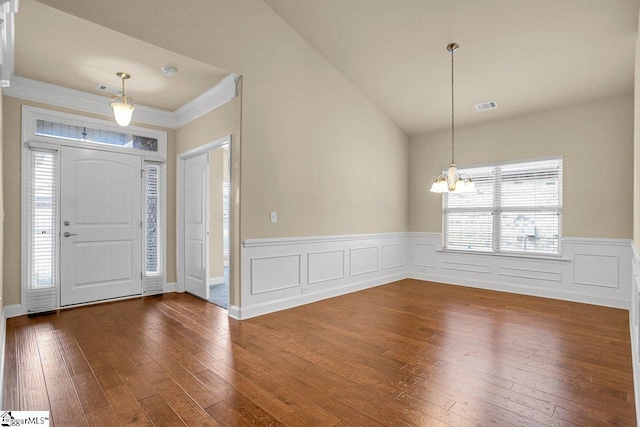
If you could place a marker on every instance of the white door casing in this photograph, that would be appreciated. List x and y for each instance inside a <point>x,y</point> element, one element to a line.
<point>101,210</point>
<point>196,179</point>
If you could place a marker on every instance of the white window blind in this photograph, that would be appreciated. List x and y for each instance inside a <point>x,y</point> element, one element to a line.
<point>154,238</point>
<point>517,208</point>
<point>42,290</point>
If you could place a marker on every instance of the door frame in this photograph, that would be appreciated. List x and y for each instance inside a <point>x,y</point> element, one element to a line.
<point>29,139</point>
<point>180,217</point>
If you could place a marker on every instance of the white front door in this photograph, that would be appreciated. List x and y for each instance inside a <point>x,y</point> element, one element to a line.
<point>196,176</point>
<point>101,225</point>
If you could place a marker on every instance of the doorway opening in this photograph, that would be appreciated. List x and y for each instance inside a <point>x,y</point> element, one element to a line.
<point>204,221</point>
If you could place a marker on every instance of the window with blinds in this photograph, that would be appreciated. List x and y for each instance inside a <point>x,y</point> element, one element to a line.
<point>517,209</point>
<point>43,231</point>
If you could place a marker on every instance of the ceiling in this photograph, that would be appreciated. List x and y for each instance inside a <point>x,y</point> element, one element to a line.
<point>527,56</point>
<point>61,49</point>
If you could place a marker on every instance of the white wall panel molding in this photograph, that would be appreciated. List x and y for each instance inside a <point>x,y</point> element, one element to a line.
<point>530,274</point>
<point>287,272</point>
<point>325,266</point>
<point>275,273</point>
<point>394,256</point>
<point>251,243</point>
<point>36,91</point>
<point>424,255</point>
<point>363,260</point>
<point>634,323</point>
<point>463,266</point>
<point>594,271</point>
<point>335,265</point>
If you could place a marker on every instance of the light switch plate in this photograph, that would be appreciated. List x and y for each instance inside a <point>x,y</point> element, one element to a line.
<point>274,216</point>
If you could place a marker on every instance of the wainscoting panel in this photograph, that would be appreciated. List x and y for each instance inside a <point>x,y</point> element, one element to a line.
<point>364,260</point>
<point>394,256</point>
<point>325,266</point>
<point>282,273</point>
<point>274,273</point>
<point>424,255</point>
<point>634,324</point>
<point>595,271</point>
<point>334,265</point>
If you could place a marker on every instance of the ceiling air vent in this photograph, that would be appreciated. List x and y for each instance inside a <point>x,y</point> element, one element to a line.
<point>486,106</point>
<point>109,89</point>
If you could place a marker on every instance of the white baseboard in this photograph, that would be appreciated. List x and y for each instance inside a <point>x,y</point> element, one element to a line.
<point>524,290</point>
<point>212,281</point>
<point>234,312</point>
<point>171,287</point>
<point>13,310</point>
<point>244,313</point>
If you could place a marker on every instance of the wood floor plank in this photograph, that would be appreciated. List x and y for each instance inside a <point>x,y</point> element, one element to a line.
<point>159,411</point>
<point>409,353</point>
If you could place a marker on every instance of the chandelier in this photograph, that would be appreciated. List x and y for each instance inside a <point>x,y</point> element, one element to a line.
<point>453,181</point>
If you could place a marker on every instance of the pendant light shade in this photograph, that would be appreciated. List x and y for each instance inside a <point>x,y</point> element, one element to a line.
<point>452,181</point>
<point>122,105</point>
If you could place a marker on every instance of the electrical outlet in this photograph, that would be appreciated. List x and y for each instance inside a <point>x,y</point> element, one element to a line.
<point>274,216</point>
<point>305,289</point>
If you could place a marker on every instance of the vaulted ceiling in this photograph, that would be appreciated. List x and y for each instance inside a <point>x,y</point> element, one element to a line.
<point>526,56</point>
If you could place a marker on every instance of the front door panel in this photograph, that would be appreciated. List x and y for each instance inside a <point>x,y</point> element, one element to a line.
<point>101,214</point>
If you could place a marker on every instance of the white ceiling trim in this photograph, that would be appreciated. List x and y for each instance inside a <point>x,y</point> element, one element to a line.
<point>213,98</point>
<point>33,90</point>
<point>8,10</point>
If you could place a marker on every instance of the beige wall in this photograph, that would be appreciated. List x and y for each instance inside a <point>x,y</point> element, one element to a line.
<point>595,140</point>
<point>11,168</point>
<point>223,121</point>
<point>314,148</point>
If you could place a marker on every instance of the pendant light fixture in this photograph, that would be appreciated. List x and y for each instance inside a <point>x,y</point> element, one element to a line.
<point>452,181</point>
<point>122,105</point>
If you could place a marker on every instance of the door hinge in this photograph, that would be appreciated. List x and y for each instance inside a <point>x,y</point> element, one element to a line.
<point>141,173</point>
<point>140,224</point>
<point>141,275</point>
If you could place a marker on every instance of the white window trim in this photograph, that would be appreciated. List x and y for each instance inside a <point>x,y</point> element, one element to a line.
<point>30,139</point>
<point>510,254</point>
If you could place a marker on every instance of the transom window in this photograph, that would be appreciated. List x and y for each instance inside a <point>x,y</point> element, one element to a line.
<point>98,136</point>
<point>517,209</point>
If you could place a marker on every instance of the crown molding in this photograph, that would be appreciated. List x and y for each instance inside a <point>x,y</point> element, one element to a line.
<point>220,94</point>
<point>8,10</point>
<point>33,90</point>
<point>36,91</point>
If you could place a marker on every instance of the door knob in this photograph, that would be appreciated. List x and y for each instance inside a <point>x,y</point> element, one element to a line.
<point>66,223</point>
<point>67,234</point>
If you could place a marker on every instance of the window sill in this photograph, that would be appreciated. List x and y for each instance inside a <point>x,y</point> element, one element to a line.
<point>551,258</point>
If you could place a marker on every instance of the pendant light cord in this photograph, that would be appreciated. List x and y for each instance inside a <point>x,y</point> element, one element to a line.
<point>452,113</point>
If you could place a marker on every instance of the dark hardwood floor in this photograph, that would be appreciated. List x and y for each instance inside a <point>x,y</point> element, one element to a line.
<point>404,354</point>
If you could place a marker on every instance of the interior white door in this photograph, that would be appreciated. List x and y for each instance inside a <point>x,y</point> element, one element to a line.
<point>196,176</point>
<point>101,225</point>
